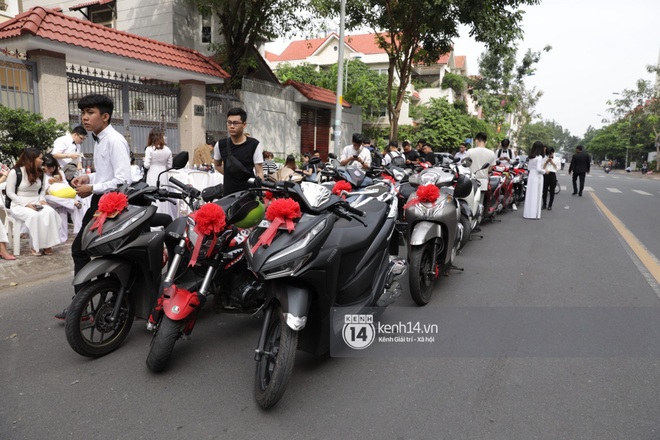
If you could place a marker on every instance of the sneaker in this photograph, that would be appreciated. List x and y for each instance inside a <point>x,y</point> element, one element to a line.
<point>61,315</point>
<point>514,207</point>
<point>543,207</point>
<point>549,208</point>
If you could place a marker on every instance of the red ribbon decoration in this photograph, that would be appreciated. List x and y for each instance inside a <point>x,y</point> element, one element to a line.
<point>110,206</point>
<point>340,186</point>
<point>209,219</point>
<point>425,194</point>
<point>280,212</point>
<point>268,197</point>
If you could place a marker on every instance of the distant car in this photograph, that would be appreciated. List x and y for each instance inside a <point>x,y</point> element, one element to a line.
<point>444,158</point>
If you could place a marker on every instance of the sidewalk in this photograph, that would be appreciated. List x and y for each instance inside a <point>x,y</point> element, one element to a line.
<point>27,267</point>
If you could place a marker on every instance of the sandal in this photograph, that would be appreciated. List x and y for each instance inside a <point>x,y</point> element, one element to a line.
<point>7,257</point>
<point>36,253</point>
<point>48,251</point>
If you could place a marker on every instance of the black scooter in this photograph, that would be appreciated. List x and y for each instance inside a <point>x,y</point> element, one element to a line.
<point>335,256</point>
<point>121,281</point>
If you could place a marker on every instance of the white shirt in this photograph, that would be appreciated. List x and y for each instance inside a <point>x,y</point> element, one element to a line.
<point>388,157</point>
<point>461,155</point>
<point>552,166</point>
<point>65,145</point>
<point>112,161</point>
<point>349,152</point>
<point>480,156</point>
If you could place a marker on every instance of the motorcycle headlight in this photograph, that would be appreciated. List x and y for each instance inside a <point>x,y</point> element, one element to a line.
<point>119,228</point>
<point>290,267</point>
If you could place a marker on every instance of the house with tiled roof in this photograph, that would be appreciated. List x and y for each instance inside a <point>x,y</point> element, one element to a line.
<point>151,58</point>
<point>322,53</point>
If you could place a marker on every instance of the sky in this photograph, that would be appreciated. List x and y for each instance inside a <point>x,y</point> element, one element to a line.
<point>598,47</point>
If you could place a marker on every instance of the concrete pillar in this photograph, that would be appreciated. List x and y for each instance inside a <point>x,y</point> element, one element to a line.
<point>51,77</point>
<point>192,132</point>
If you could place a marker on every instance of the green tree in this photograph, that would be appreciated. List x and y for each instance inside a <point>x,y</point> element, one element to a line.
<point>22,129</point>
<point>419,31</point>
<point>442,125</point>
<point>500,88</point>
<point>244,24</point>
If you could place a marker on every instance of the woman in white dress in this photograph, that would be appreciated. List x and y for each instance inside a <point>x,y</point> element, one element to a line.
<point>28,203</point>
<point>158,158</point>
<point>4,239</point>
<point>61,197</point>
<point>534,191</point>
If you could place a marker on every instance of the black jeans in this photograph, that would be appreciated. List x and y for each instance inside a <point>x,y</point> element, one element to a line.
<point>575,177</point>
<point>549,183</point>
<point>80,257</point>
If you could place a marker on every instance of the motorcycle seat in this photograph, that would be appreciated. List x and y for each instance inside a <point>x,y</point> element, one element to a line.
<point>352,235</point>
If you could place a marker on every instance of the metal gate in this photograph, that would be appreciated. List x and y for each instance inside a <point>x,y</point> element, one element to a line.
<point>140,106</point>
<point>216,114</point>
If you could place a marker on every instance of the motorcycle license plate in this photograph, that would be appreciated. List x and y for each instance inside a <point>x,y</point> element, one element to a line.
<point>266,224</point>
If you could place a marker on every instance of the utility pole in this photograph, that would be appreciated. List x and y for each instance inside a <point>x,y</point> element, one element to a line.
<point>340,82</point>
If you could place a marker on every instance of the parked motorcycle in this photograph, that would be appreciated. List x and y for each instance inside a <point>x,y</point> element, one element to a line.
<point>314,253</point>
<point>434,227</point>
<point>520,173</point>
<point>472,208</point>
<point>121,281</point>
<point>208,260</point>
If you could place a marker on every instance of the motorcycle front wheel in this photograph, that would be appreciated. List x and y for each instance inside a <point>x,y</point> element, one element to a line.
<point>422,273</point>
<point>89,328</point>
<point>274,369</point>
<point>467,229</point>
<point>162,344</point>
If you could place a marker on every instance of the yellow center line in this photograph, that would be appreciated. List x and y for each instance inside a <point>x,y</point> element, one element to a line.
<point>647,258</point>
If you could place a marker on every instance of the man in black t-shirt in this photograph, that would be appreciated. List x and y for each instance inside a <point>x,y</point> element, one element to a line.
<point>412,156</point>
<point>247,154</point>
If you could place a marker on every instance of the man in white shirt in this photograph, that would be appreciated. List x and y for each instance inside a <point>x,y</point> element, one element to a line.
<point>355,155</point>
<point>112,162</point>
<point>392,152</point>
<point>66,149</point>
<point>481,155</point>
<point>462,151</point>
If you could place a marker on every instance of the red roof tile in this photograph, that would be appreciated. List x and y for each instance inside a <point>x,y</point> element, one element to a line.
<point>314,93</point>
<point>362,43</point>
<point>57,27</point>
<point>88,4</point>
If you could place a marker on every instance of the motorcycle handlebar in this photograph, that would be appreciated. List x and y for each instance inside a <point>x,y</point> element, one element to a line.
<point>188,189</point>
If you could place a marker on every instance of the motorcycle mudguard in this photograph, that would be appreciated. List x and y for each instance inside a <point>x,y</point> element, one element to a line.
<point>465,209</point>
<point>180,304</point>
<point>101,266</point>
<point>294,301</point>
<point>423,232</point>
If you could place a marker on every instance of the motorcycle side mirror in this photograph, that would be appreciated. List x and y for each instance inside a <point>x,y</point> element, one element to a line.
<point>456,159</point>
<point>180,160</point>
<point>315,160</point>
<point>497,162</point>
<point>332,155</point>
<point>486,165</point>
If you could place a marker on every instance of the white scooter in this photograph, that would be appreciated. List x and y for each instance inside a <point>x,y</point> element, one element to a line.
<point>472,207</point>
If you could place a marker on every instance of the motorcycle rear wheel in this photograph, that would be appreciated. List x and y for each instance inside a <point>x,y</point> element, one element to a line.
<point>422,276</point>
<point>162,344</point>
<point>275,367</point>
<point>89,330</point>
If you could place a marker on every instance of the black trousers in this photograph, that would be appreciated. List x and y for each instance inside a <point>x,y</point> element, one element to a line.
<point>80,257</point>
<point>575,177</point>
<point>549,183</point>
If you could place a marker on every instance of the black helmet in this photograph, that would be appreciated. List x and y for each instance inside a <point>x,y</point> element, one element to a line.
<point>463,187</point>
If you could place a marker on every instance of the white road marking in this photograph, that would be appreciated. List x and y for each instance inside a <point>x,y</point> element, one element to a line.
<point>613,190</point>
<point>563,187</point>
<point>644,193</point>
<point>588,188</point>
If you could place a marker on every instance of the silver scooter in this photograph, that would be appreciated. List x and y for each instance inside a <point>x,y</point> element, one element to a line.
<point>433,216</point>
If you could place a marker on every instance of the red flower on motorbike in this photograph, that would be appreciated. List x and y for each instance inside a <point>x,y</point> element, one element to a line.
<point>425,194</point>
<point>210,219</point>
<point>280,212</point>
<point>110,206</point>
<point>340,186</point>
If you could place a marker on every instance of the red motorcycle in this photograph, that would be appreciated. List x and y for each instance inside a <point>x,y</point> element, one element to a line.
<point>209,259</point>
<point>506,192</point>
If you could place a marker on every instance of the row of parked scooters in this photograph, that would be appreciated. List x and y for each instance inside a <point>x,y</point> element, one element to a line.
<point>285,252</point>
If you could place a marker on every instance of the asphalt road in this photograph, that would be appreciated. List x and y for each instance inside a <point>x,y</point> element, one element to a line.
<point>482,378</point>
